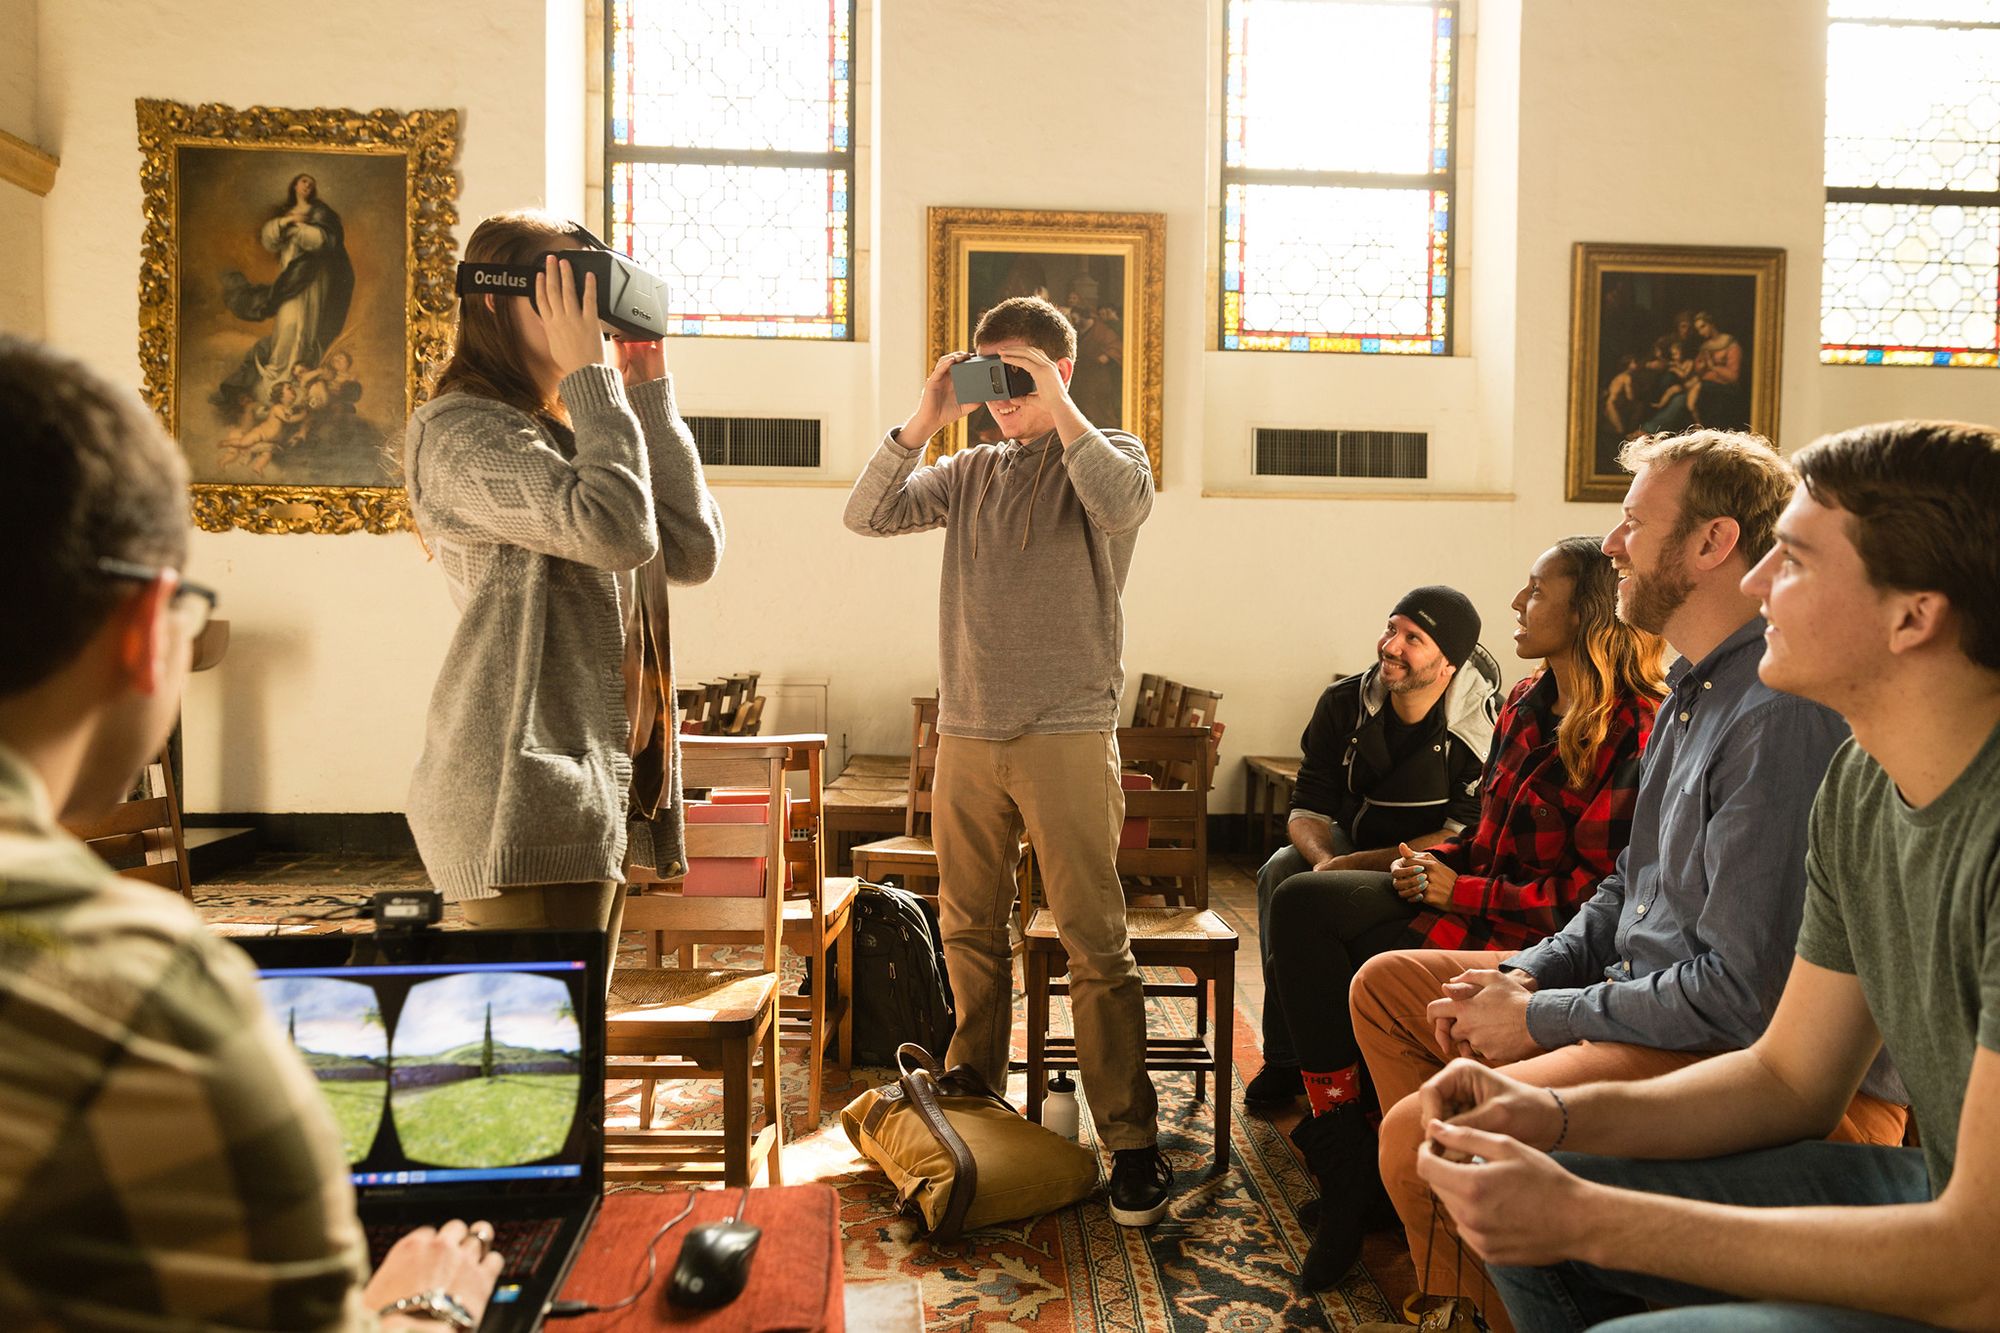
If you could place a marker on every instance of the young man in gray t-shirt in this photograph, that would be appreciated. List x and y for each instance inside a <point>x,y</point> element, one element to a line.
<point>1883,601</point>
<point>1039,533</point>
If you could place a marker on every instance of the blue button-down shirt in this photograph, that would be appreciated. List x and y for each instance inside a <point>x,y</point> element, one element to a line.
<point>1686,946</point>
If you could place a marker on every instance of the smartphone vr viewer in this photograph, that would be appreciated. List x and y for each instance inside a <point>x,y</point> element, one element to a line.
<point>630,300</point>
<point>982,379</point>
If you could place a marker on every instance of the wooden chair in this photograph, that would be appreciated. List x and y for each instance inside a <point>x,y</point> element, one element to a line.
<point>1146,700</point>
<point>1186,937</point>
<point>692,700</point>
<point>713,694</point>
<point>742,689</point>
<point>142,838</point>
<point>818,926</point>
<point>910,856</point>
<point>1195,708</point>
<point>706,1022</point>
<point>748,719</point>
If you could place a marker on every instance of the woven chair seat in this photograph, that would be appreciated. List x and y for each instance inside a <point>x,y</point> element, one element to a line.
<point>900,845</point>
<point>1158,925</point>
<point>674,995</point>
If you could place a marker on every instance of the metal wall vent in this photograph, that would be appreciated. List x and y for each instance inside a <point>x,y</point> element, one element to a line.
<point>1342,453</point>
<point>757,441</point>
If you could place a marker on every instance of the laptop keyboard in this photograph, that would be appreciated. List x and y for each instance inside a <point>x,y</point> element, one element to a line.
<point>523,1242</point>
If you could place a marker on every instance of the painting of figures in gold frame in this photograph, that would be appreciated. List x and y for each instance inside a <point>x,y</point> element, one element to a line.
<point>294,289</point>
<point>1105,271</point>
<point>1668,338</point>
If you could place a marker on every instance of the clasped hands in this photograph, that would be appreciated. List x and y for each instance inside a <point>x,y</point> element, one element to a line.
<point>1512,1203</point>
<point>1484,1012</point>
<point>1420,878</point>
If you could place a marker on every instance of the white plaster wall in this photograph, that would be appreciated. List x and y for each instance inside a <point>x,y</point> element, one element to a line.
<point>1104,105</point>
<point>20,210</point>
<point>335,640</point>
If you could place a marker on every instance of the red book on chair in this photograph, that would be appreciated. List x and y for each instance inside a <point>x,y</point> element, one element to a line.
<point>1136,832</point>
<point>730,876</point>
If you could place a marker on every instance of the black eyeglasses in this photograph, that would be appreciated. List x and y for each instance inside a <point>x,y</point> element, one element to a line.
<point>193,602</point>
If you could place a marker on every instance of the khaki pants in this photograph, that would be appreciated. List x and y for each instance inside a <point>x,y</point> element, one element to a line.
<point>591,905</point>
<point>1064,790</point>
<point>1388,1000</point>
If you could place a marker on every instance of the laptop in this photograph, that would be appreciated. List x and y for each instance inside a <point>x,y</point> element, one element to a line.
<point>466,1072</point>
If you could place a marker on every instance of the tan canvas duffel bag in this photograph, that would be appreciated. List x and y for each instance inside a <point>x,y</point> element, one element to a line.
<point>958,1153</point>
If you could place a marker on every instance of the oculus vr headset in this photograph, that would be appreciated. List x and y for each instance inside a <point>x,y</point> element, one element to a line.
<point>631,301</point>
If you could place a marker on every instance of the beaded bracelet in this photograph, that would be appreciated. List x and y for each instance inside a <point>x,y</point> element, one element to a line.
<point>1562,1106</point>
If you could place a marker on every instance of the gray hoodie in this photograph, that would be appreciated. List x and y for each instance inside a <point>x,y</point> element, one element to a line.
<point>1038,539</point>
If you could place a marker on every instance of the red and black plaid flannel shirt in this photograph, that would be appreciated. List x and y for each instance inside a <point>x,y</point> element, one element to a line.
<point>1541,846</point>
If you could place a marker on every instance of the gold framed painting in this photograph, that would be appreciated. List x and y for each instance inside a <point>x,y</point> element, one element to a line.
<point>1668,338</point>
<point>294,287</point>
<point>1106,271</point>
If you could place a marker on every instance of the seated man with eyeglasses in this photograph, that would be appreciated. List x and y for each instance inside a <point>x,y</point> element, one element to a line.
<point>166,1160</point>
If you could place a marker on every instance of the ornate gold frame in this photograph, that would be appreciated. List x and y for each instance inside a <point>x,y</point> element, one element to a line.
<point>1139,238</point>
<point>428,141</point>
<point>1589,263</point>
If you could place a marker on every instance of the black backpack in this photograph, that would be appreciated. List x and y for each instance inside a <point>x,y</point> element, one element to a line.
<point>901,992</point>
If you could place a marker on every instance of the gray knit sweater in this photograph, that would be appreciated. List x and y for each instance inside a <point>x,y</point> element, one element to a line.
<point>1038,539</point>
<point>525,769</point>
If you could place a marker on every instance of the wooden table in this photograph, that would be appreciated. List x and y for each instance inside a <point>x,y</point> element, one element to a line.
<point>1268,780</point>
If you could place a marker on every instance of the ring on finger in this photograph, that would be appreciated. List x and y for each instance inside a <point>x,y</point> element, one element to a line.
<point>483,1233</point>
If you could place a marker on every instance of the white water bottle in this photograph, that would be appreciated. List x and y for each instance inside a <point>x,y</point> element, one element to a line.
<point>1059,1107</point>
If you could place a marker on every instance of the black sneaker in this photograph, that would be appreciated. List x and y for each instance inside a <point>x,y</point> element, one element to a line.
<point>1141,1180</point>
<point>1274,1085</point>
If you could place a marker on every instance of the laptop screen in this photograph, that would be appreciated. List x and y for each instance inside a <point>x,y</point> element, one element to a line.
<point>452,1060</point>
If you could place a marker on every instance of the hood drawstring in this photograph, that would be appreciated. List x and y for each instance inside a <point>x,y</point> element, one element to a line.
<point>978,505</point>
<point>1033,495</point>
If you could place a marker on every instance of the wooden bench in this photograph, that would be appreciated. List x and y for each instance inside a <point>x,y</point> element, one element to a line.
<point>1268,780</point>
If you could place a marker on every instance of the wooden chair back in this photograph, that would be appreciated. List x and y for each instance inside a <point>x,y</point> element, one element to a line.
<point>1196,708</point>
<point>748,719</point>
<point>923,766</point>
<point>708,762</point>
<point>142,838</point>
<point>692,700</point>
<point>1146,700</point>
<point>1174,862</point>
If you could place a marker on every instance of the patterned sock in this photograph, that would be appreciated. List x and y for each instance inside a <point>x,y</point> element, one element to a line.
<point>1324,1091</point>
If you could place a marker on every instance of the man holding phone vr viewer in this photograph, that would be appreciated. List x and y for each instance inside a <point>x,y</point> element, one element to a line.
<point>1039,531</point>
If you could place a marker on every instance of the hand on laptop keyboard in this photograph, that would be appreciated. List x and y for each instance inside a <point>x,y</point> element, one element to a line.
<point>454,1259</point>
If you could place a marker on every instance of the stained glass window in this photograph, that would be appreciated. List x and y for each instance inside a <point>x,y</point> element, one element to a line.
<point>1336,216</point>
<point>1912,263</point>
<point>729,160</point>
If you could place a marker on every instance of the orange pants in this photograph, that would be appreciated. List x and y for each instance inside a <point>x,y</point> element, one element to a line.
<point>1390,994</point>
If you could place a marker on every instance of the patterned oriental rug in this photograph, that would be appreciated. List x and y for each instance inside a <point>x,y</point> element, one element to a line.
<point>1224,1257</point>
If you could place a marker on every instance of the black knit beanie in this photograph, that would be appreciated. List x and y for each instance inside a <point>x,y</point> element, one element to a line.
<point>1447,615</point>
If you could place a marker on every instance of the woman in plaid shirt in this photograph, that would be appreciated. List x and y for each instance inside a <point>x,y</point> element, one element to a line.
<point>1556,810</point>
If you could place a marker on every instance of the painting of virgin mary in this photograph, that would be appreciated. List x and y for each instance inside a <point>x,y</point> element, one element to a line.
<point>292,299</point>
<point>306,303</point>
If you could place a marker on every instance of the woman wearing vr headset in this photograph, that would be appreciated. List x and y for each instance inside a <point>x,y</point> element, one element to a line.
<point>561,493</point>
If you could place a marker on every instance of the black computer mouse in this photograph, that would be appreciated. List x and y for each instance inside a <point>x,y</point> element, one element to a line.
<point>714,1264</point>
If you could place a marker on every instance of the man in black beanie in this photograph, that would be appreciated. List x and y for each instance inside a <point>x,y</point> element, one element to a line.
<point>1393,755</point>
